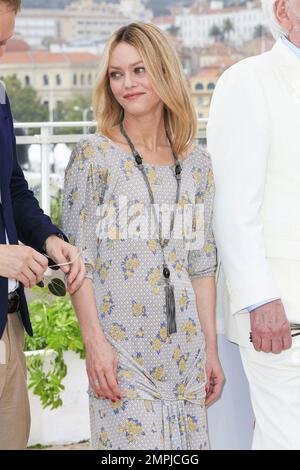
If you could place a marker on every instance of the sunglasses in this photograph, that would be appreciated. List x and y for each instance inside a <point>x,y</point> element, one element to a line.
<point>293,327</point>
<point>56,285</point>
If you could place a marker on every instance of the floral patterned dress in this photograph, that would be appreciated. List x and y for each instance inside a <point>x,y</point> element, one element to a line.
<point>162,378</point>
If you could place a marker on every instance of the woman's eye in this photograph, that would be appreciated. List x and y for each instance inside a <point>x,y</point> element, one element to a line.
<point>114,74</point>
<point>139,69</point>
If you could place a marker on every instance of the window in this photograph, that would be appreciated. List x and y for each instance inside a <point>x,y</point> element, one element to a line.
<point>210,86</point>
<point>199,86</point>
<point>58,79</point>
<point>74,79</point>
<point>82,81</point>
<point>27,80</point>
<point>45,80</point>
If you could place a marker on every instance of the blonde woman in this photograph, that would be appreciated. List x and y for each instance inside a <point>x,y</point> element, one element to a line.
<point>146,308</point>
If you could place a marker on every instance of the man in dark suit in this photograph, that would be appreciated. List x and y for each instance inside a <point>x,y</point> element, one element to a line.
<point>21,265</point>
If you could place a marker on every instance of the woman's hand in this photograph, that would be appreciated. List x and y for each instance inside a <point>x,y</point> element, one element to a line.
<point>101,365</point>
<point>215,377</point>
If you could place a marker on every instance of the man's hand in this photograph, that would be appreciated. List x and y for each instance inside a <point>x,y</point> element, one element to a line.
<point>22,263</point>
<point>62,252</point>
<point>270,328</point>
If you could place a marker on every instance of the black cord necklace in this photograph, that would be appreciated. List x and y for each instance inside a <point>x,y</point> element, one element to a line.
<point>170,309</point>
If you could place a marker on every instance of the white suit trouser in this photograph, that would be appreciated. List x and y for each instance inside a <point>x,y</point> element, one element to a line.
<point>274,381</point>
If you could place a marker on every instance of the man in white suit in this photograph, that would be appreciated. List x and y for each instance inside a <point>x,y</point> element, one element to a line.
<point>254,141</point>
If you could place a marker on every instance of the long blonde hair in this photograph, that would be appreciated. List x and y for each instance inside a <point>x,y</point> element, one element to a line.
<point>166,75</point>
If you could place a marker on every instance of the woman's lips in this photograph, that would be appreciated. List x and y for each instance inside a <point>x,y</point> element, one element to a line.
<point>133,96</point>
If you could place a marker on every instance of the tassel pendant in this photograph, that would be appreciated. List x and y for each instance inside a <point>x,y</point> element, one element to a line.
<point>170,309</point>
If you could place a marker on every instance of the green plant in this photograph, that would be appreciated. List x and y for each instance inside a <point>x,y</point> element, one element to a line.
<point>56,208</point>
<point>55,328</point>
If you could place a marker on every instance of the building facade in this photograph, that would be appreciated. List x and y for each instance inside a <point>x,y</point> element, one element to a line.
<point>80,20</point>
<point>55,77</point>
<point>195,22</point>
<point>196,26</point>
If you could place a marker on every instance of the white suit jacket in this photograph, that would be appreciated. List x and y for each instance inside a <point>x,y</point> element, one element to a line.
<point>254,141</point>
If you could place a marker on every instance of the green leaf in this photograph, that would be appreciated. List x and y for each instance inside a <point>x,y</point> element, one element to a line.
<point>55,327</point>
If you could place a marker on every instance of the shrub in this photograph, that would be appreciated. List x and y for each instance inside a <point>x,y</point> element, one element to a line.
<point>55,328</point>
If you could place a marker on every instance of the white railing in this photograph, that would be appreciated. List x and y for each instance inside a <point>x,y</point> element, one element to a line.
<point>46,138</point>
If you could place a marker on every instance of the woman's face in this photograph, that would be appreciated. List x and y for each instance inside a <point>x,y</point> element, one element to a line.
<point>129,81</point>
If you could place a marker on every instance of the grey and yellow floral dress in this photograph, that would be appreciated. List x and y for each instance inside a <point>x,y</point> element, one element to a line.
<point>162,378</point>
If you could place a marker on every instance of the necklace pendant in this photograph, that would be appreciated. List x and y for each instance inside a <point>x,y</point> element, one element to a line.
<point>166,272</point>
<point>170,309</point>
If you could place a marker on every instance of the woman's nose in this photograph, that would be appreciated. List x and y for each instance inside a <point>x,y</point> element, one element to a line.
<point>129,80</point>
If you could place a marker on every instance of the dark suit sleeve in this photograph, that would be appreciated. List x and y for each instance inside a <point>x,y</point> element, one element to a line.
<point>33,226</point>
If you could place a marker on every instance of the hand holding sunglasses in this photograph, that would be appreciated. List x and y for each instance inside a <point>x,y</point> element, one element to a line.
<point>57,286</point>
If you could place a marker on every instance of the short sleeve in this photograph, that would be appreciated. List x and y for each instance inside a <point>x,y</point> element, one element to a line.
<point>84,189</point>
<point>202,261</point>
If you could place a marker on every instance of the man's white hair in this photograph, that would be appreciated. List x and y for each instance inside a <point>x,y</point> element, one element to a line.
<point>268,9</point>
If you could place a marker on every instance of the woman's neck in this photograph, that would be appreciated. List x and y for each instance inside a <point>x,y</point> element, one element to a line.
<point>146,131</point>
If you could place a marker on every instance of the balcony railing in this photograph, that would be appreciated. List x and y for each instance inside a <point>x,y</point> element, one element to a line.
<point>46,138</point>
